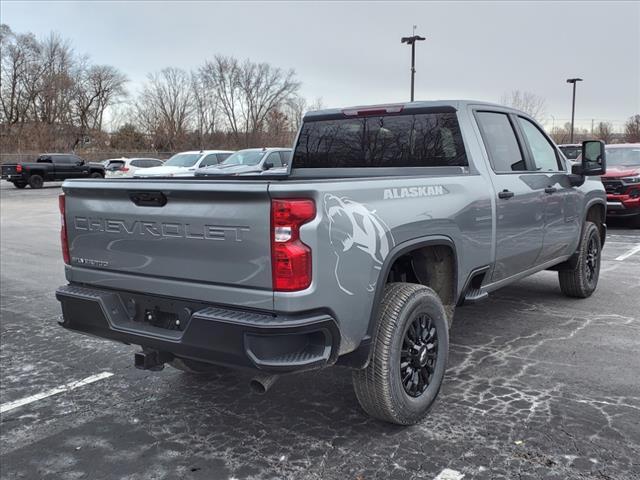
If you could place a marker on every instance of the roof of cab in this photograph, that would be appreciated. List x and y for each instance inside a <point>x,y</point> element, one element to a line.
<point>204,152</point>
<point>455,104</point>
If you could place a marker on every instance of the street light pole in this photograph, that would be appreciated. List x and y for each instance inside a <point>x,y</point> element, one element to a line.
<point>412,41</point>
<point>573,103</point>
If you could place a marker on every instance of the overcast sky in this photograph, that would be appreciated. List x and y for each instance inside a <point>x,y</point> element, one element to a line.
<point>350,53</point>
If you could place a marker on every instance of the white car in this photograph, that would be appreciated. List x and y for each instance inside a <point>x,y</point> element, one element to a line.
<point>184,164</point>
<point>252,161</point>
<point>125,167</point>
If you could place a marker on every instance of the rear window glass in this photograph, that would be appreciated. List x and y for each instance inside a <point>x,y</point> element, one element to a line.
<point>420,140</point>
<point>115,165</point>
<point>571,152</point>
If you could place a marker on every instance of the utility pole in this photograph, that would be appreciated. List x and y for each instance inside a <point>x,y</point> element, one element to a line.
<point>412,41</point>
<point>573,103</point>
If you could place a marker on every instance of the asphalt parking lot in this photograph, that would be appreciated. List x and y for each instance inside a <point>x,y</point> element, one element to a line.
<point>539,386</point>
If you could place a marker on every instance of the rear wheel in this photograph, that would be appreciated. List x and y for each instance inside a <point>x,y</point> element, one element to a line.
<point>409,357</point>
<point>20,184</point>
<point>96,175</point>
<point>195,367</point>
<point>582,281</point>
<point>36,181</point>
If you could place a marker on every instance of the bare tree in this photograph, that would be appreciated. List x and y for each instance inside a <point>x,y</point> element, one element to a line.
<point>604,132</point>
<point>528,102</point>
<point>206,110</point>
<point>97,88</point>
<point>220,78</point>
<point>265,89</point>
<point>296,108</point>
<point>49,96</point>
<point>247,93</point>
<point>632,129</point>
<point>165,107</point>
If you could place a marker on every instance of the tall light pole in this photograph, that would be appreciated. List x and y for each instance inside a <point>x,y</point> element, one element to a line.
<point>412,41</point>
<point>573,103</point>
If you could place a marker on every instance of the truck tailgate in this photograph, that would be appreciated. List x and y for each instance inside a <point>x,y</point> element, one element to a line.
<point>205,232</point>
<point>8,170</point>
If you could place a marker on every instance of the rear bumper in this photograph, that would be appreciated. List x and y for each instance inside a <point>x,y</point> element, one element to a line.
<point>14,178</point>
<point>275,343</point>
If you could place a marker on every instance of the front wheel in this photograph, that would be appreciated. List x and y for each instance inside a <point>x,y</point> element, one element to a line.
<point>409,356</point>
<point>582,281</point>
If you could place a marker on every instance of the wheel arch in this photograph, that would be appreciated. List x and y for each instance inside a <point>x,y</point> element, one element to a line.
<point>32,172</point>
<point>596,211</point>
<point>360,357</point>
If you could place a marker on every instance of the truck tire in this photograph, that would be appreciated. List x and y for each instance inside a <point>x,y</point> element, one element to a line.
<point>36,181</point>
<point>582,281</point>
<point>96,175</point>
<point>409,357</point>
<point>20,185</point>
<point>195,367</point>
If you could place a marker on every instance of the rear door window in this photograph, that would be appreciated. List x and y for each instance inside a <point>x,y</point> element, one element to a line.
<point>211,159</point>
<point>274,159</point>
<point>285,156</point>
<point>418,140</point>
<point>502,144</point>
<point>115,165</point>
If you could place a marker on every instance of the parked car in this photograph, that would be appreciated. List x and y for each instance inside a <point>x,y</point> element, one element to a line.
<point>622,182</point>
<point>185,163</point>
<point>50,167</point>
<point>571,151</point>
<point>126,167</point>
<point>391,217</point>
<point>252,161</point>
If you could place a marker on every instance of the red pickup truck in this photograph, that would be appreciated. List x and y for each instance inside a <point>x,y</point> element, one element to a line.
<point>622,182</point>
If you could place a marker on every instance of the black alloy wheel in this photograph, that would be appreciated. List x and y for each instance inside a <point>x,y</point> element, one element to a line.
<point>418,355</point>
<point>592,259</point>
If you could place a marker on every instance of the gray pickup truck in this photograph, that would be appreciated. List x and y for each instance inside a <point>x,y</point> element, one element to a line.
<point>390,217</point>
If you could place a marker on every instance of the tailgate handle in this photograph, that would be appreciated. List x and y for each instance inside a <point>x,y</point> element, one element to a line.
<point>148,199</point>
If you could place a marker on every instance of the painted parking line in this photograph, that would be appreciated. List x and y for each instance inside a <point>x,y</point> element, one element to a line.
<point>626,255</point>
<point>5,407</point>
<point>448,474</point>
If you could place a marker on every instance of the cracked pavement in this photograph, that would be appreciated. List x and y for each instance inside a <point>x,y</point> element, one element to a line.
<point>538,386</point>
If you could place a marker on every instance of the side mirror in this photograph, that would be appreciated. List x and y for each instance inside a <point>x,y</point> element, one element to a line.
<point>267,166</point>
<point>594,160</point>
<point>80,162</point>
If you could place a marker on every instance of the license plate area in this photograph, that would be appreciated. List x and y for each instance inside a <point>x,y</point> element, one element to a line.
<point>158,312</point>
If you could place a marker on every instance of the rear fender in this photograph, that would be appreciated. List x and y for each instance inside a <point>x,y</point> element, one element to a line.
<point>360,357</point>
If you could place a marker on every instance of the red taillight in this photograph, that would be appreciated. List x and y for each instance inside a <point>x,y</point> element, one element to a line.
<point>18,168</point>
<point>290,258</point>
<point>63,230</point>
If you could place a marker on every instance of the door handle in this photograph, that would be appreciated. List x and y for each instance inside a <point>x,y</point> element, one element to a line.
<point>550,190</point>
<point>505,194</point>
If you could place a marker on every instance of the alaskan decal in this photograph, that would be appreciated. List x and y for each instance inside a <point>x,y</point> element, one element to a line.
<point>357,235</point>
<point>414,192</point>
